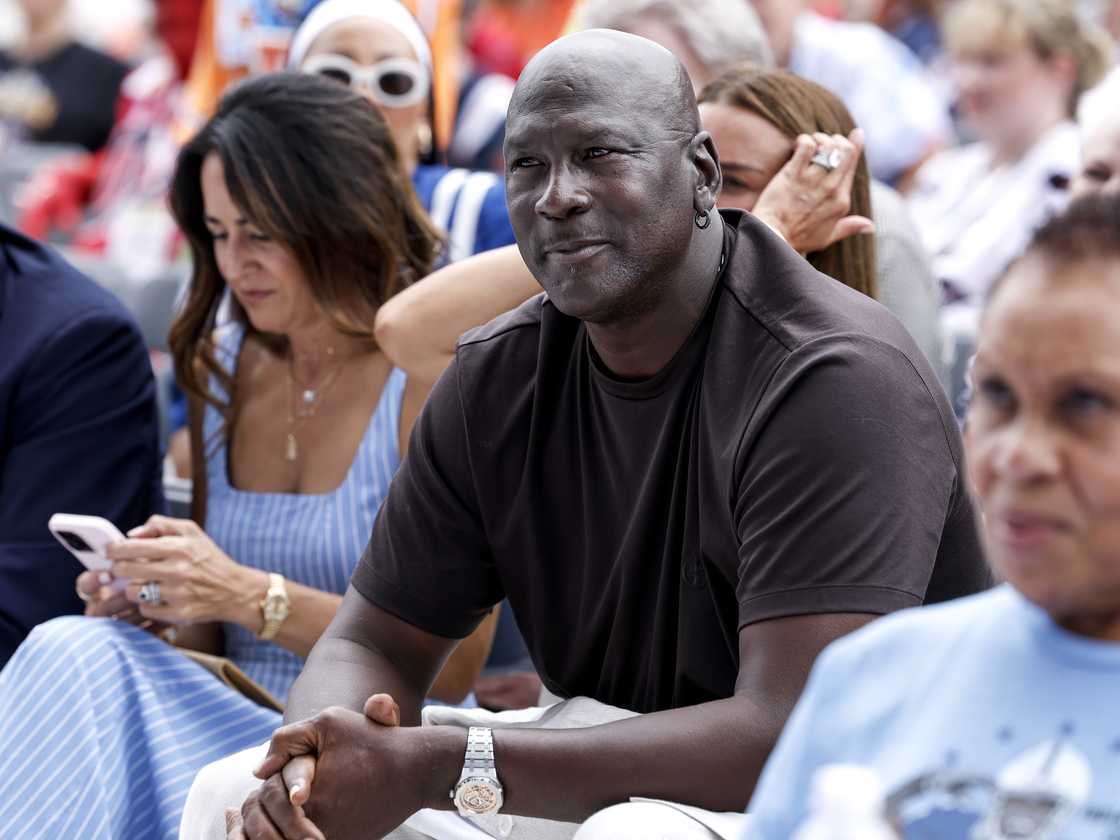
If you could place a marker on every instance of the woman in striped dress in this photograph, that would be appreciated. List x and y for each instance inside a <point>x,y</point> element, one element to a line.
<point>379,49</point>
<point>293,198</point>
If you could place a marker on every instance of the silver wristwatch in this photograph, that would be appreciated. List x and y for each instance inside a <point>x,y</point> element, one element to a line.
<point>478,791</point>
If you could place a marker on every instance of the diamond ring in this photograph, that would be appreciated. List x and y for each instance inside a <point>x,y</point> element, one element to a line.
<point>827,160</point>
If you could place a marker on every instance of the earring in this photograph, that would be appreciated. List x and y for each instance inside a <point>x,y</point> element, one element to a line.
<point>703,219</point>
<point>424,139</point>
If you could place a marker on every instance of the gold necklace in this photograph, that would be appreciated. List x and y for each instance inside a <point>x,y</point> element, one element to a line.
<point>310,399</point>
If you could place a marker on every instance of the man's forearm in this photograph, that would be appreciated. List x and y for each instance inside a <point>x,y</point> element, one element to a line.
<point>354,658</point>
<point>708,755</point>
<point>340,672</point>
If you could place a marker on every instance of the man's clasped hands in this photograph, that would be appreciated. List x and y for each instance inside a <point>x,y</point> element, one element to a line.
<point>342,774</point>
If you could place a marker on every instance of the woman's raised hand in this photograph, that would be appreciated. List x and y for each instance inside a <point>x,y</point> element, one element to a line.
<point>808,203</point>
<point>191,579</point>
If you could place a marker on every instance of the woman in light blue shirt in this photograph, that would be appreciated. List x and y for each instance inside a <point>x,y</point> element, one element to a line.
<point>378,48</point>
<point>991,716</point>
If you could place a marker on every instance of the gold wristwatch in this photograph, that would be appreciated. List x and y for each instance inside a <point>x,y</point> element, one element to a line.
<point>275,607</point>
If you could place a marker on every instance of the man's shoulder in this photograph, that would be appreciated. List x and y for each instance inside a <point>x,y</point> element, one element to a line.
<point>46,295</point>
<point>517,327</point>
<point>776,289</point>
<point>803,329</point>
<point>502,367</point>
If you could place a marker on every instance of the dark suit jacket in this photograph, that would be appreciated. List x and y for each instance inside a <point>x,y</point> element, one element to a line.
<point>78,426</point>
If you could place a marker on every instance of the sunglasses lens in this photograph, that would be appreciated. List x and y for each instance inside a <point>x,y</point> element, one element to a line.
<point>396,83</point>
<point>335,73</point>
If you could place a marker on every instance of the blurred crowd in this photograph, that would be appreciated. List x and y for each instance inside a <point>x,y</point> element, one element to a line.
<point>975,116</point>
<point>300,207</point>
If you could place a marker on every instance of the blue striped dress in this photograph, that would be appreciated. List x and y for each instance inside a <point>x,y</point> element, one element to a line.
<point>103,727</point>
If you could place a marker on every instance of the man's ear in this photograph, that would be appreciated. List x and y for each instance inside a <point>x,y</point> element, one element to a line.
<point>709,177</point>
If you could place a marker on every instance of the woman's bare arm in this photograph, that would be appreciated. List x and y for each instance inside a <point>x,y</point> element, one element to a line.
<point>464,665</point>
<point>418,328</point>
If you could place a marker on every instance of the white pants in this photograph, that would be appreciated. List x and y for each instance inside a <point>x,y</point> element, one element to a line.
<point>226,784</point>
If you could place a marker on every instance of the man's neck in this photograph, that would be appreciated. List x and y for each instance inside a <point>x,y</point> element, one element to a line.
<point>639,347</point>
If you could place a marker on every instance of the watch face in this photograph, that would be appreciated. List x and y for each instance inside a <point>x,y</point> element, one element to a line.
<point>479,796</point>
<point>275,608</point>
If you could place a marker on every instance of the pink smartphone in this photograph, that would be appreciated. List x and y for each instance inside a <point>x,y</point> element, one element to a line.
<point>86,537</point>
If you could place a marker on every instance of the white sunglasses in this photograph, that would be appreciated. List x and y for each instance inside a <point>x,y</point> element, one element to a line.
<point>394,82</point>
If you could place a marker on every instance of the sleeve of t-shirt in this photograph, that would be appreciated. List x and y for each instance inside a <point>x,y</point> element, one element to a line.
<point>428,561</point>
<point>845,478</point>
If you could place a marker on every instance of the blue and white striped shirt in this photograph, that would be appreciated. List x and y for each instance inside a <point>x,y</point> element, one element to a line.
<point>313,539</point>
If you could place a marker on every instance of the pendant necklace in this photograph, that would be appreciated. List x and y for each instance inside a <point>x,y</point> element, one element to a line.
<point>307,405</point>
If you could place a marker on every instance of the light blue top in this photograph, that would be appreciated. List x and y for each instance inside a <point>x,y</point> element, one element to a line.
<point>976,714</point>
<point>313,539</point>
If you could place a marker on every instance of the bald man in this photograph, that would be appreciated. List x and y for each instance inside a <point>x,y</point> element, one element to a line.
<point>689,466</point>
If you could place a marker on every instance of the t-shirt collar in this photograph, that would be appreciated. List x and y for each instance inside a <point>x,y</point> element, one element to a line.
<point>1064,645</point>
<point>683,360</point>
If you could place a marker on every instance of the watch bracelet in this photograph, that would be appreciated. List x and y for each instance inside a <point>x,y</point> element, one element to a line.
<point>272,626</point>
<point>480,749</point>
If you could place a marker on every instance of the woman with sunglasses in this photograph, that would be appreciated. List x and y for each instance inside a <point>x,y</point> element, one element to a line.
<point>377,48</point>
<point>296,206</point>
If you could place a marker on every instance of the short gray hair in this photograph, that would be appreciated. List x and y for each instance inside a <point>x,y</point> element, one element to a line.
<point>720,32</point>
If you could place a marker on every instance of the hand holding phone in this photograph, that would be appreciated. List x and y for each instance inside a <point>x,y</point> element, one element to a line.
<point>87,537</point>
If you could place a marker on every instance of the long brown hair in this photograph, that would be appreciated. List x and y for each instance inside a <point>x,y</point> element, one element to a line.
<point>796,106</point>
<point>312,165</point>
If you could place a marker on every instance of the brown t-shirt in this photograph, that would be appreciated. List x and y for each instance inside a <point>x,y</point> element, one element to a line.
<point>796,456</point>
